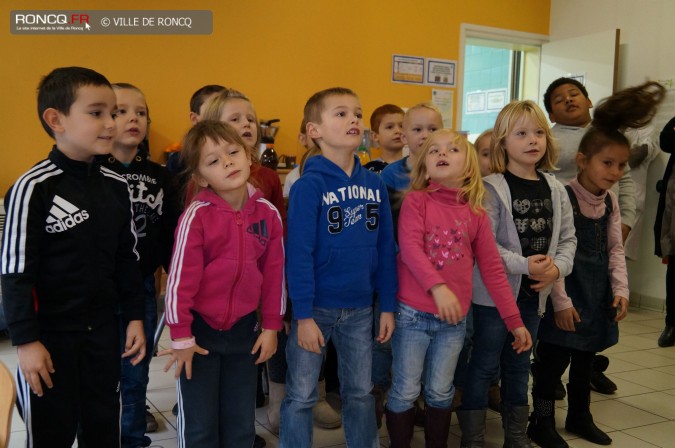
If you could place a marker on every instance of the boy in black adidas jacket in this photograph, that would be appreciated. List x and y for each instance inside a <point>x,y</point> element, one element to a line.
<point>68,264</point>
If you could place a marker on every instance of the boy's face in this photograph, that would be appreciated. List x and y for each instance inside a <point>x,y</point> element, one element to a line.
<point>417,126</point>
<point>131,118</point>
<point>89,128</point>
<point>341,123</point>
<point>569,106</point>
<point>390,131</point>
<point>240,114</point>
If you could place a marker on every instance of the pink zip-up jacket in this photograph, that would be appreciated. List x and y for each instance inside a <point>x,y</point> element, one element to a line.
<point>226,263</point>
<point>440,237</point>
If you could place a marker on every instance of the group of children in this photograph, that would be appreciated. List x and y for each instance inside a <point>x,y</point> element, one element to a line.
<point>429,239</point>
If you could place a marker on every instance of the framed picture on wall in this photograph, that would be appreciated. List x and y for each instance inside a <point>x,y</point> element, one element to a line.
<point>496,99</point>
<point>475,102</point>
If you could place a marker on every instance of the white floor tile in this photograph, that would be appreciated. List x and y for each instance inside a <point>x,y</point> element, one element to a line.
<point>640,414</point>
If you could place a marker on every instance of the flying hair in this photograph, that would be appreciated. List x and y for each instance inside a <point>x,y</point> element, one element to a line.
<point>633,107</point>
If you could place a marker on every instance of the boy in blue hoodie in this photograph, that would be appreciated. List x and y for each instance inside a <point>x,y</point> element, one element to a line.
<point>340,250</point>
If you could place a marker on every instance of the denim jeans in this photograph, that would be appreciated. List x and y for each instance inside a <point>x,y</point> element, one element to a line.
<point>465,354</point>
<point>492,351</point>
<point>134,381</point>
<point>350,329</point>
<point>423,344</point>
<point>382,357</point>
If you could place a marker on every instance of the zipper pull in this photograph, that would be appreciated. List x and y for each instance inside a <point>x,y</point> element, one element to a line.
<point>238,219</point>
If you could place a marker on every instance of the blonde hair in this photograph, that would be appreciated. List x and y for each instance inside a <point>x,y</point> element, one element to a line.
<point>426,105</point>
<point>472,189</point>
<point>506,121</point>
<point>214,108</point>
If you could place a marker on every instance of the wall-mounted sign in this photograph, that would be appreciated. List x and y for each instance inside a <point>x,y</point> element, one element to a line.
<point>441,72</point>
<point>407,69</point>
<point>475,102</point>
<point>496,99</point>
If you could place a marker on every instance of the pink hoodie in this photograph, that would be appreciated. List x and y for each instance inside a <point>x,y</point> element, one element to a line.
<point>226,263</point>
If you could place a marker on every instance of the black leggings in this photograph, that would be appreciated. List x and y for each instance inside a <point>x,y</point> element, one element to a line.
<point>551,362</point>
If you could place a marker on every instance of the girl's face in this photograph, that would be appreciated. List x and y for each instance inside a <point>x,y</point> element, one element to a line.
<point>224,167</point>
<point>445,161</point>
<point>239,113</point>
<point>603,169</point>
<point>483,152</point>
<point>131,118</point>
<point>525,145</point>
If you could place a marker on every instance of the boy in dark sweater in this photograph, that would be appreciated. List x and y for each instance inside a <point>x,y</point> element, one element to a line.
<point>69,263</point>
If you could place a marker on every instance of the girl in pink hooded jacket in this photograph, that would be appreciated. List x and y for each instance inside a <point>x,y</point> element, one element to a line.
<point>228,260</point>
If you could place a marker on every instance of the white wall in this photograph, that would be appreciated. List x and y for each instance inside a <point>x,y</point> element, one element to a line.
<point>647,38</point>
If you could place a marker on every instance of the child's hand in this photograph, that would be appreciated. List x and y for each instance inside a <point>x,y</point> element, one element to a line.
<point>35,363</point>
<point>621,305</point>
<point>565,319</point>
<point>449,308</point>
<point>182,357</point>
<point>135,342</point>
<point>386,327</point>
<point>545,278</point>
<point>538,264</point>
<point>310,337</point>
<point>267,344</point>
<point>523,340</point>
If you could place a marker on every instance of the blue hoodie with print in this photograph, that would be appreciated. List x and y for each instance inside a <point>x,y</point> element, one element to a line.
<point>340,245</point>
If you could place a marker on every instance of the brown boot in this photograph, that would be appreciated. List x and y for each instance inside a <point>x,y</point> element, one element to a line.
<point>277,392</point>
<point>400,426</point>
<point>437,427</point>
<point>324,415</point>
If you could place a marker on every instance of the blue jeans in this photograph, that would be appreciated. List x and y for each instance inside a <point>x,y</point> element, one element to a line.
<point>492,351</point>
<point>350,329</point>
<point>465,354</point>
<point>422,343</point>
<point>134,381</point>
<point>382,357</point>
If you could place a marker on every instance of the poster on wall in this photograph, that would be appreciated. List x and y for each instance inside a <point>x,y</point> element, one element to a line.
<point>443,99</point>
<point>407,69</point>
<point>475,102</point>
<point>441,72</point>
<point>496,99</point>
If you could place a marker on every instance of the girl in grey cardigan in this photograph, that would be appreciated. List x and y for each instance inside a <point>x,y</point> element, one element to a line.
<point>532,221</point>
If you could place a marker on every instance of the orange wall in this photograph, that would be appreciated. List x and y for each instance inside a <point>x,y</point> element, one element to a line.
<point>277,52</point>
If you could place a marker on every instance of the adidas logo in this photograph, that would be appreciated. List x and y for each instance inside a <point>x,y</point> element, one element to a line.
<point>259,229</point>
<point>63,216</point>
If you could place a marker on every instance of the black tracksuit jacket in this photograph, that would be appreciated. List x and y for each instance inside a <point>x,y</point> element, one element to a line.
<point>69,259</point>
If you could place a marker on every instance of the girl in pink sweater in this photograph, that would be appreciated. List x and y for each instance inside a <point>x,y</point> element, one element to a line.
<point>228,260</point>
<point>442,230</point>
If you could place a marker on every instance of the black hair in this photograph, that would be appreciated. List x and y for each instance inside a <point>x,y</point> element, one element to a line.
<point>58,90</point>
<point>200,95</point>
<point>557,83</point>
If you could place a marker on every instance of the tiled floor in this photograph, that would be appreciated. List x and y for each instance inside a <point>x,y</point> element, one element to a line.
<point>640,414</point>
